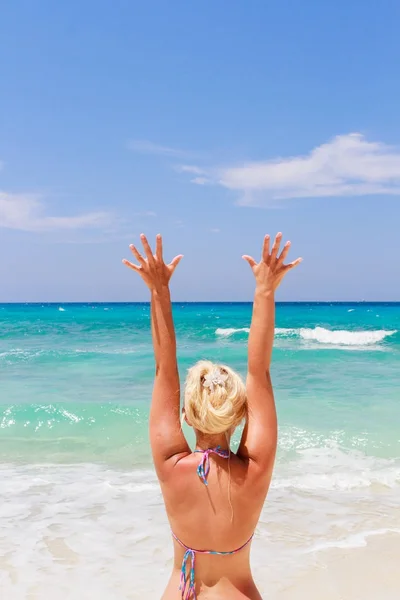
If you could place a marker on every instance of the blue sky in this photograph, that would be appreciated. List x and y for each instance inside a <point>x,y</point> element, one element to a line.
<point>212,123</point>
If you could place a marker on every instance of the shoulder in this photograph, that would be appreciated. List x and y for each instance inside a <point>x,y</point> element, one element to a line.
<point>258,474</point>
<point>171,466</point>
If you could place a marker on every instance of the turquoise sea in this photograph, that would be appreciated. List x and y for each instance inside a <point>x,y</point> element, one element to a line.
<point>81,510</point>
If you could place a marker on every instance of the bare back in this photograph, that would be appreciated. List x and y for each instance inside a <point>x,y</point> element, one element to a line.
<point>219,517</point>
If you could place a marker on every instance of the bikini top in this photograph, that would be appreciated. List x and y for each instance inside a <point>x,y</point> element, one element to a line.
<point>187,583</point>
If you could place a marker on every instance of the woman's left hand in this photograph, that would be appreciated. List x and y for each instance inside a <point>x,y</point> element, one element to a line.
<point>153,270</point>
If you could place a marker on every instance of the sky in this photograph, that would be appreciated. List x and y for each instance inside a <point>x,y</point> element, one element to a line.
<point>210,122</point>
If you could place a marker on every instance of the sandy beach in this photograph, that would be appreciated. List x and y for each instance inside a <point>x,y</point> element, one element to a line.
<point>370,572</point>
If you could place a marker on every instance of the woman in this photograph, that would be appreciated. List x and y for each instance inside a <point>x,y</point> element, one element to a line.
<point>213,513</point>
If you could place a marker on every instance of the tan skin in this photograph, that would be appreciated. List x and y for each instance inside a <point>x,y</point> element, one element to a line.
<point>202,516</point>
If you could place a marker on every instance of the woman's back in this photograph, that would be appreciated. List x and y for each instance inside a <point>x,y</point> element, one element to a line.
<point>221,517</point>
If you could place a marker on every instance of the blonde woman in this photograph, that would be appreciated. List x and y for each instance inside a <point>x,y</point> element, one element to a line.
<point>213,497</point>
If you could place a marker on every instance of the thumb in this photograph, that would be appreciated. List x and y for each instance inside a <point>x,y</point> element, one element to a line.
<point>250,260</point>
<point>293,264</point>
<point>175,261</point>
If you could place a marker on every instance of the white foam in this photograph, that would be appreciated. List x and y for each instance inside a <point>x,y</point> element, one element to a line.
<point>228,331</point>
<point>61,309</point>
<point>318,469</point>
<point>95,350</point>
<point>340,480</point>
<point>284,331</point>
<point>13,352</point>
<point>321,335</point>
<point>357,540</point>
<point>344,337</point>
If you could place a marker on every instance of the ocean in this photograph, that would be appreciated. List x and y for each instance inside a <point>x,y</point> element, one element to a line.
<point>81,514</point>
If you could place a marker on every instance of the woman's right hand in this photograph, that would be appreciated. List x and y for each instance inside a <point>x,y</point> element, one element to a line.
<point>271,269</point>
<point>152,269</point>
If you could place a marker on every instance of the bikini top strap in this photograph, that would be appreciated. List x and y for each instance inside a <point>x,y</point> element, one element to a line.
<point>204,467</point>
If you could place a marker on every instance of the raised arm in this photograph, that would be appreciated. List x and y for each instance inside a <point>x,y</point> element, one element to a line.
<point>259,439</point>
<point>166,437</point>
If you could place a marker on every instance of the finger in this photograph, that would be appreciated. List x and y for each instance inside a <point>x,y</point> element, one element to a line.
<point>159,248</point>
<point>137,255</point>
<point>275,248</point>
<point>265,250</point>
<point>175,261</point>
<point>147,249</point>
<point>284,253</point>
<point>294,264</point>
<point>250,260</point>
<point>131,265</point>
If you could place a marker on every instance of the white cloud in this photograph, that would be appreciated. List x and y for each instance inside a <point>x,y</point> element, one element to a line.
<point>147,147</point>
<point>215,230</point>
<point>201,181</point>
<point>190,169</point>
<point>348,165</point>
<point>26,212</point>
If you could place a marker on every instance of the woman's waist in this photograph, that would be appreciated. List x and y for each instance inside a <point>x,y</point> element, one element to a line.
<point>213,560</point>
<point>235,583</point>
<point>211,566</point>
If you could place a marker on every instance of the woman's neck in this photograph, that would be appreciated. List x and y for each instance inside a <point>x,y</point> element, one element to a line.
<point>205,441</point>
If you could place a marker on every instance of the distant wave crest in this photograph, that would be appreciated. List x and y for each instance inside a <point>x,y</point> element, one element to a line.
<point>321,335</point>
<point>344,337</point>
<point>228,331</point>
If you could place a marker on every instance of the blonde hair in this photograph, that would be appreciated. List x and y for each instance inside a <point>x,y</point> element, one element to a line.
<point>217,408</point>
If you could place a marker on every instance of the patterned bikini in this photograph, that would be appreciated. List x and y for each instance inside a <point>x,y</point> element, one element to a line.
<point>187,585</point>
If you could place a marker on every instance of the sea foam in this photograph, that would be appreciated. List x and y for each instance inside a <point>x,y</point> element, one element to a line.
<point>321,335</point>
<point>344,337</point>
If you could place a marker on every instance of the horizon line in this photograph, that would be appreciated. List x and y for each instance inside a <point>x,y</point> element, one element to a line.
<point>58,302</point>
